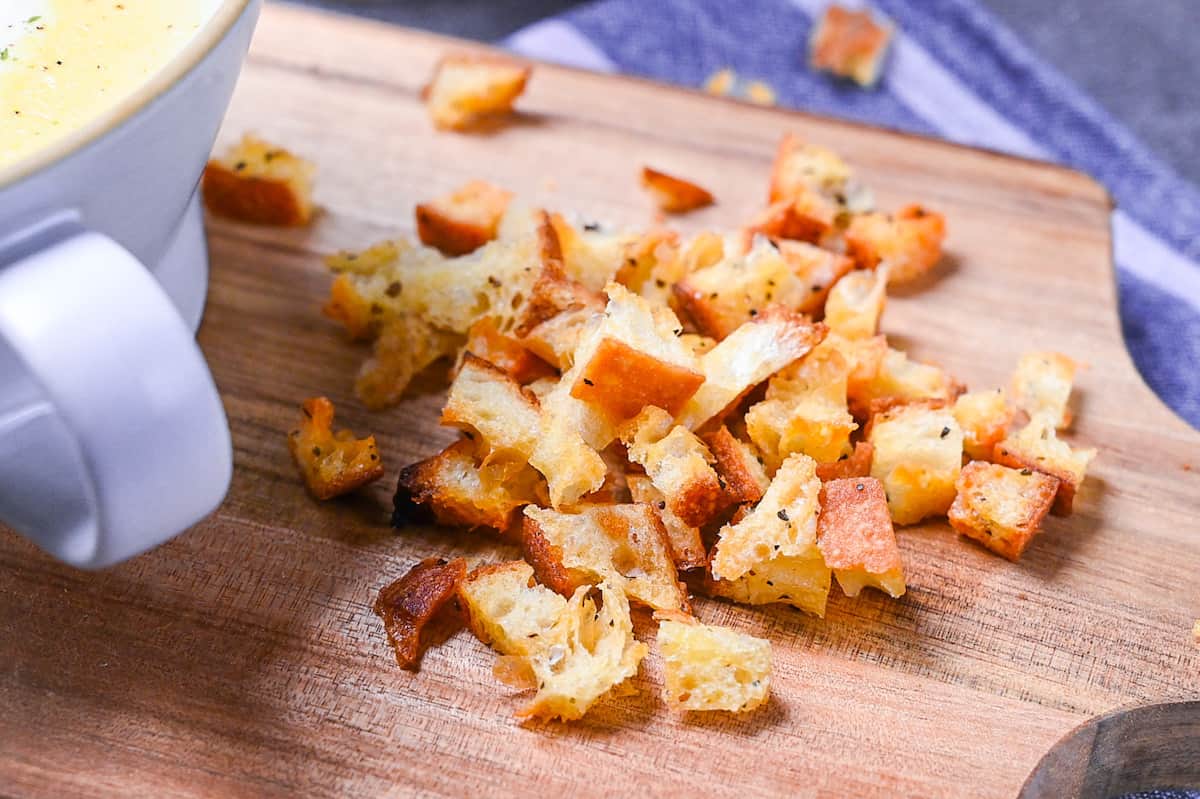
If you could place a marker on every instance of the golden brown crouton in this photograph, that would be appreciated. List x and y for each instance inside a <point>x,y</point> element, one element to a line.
<point>687,548</point>
<point>771,554</point>
<point>1001,508</point>
<point>571,436</point>
<point>899,380</point>
<point>507,610</point>
<point>506,353</point>
<point>712,668</point>
<point>805,217</point>
<point>678,464</point>
<point>983,417</point>
<point>909,241</point>
<point>463,220</point>
<point>816,271</point>
<point>1036,446</point>
<point>738,466</point>
<point>855,535</point>
<point>503,420</point>
<point>850,44</point>
<point>591,651</point>
<point>674,195</point>
<point>459,492</point>
<point>801,167</point>
<point>1041,386</point>
<point>467,89</point>
<point>257,182</point>
<point>918,455</point>
<point>410,603</point>
<point>331,463</point>
<point>856,302</point>
<point>405,347</point>
<point>624,545</point>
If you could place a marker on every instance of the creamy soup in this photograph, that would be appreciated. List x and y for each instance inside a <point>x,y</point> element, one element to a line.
<point>63,62</point>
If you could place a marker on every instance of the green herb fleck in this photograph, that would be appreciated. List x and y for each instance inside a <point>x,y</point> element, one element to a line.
<point>33,19</point>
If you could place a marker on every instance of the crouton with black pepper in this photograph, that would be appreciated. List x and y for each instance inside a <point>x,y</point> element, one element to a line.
<point>706,667</point>
<point>909,242</point>
<point>1036,446</point>
<point>677,463</point>
<point>260,183</point>
<point>1000,507</point>
<point>463,220</point>
<point>917,457</point>
<point>466,90</point>
<point>507,609</point>
<point>684,541</point>
<point>856,538</point>
<point>984,417</point>
<point>331,463</point>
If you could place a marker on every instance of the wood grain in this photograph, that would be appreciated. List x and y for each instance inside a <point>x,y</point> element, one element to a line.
<point>243,658</point>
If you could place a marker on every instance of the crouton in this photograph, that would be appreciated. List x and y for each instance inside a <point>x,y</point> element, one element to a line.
<point>748,356</point>
<point>625,545</point>
<point>405,347</point>
<point>410,603</point>
<point>909,241</point>
<point>801,167</point>
<point>506,353</point>
<point>738,466</point>
<point>331,463</point>
<point>983,416</point>
<point>855,536</point>
<point>807,217</point>
<point>899,380</point>
<point>650,263</point>
<point>1041,386</point>
<point>683,540</point>
<point>771,554</point>
<point>592,254</point>
<point>571,437</point>
<point>712,668</point>
<point>856,303</point>
<point>260,183</point>
<point>463,220</point>
<point>816,271</point>
<point>674,195</point>
<point>504,420</point>
<point>849,44</point>
<point>1001,508</point>
<point>865,356</point>
<point>917,457</point>
<point>591,650</point>
<point>856,464</point>
<point>459,492</point>
<point>466,90</point>
<point>507,610</point>
<point>556,339</point>
<point>1036,446</point>
<point>634,359</point>
<point>678,464</point>
<point>739,287</point>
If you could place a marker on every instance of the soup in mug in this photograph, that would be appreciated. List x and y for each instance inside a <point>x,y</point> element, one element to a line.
<point>64,62</point>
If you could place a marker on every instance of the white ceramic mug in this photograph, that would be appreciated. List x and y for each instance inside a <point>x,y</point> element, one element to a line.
<point>112,435</point>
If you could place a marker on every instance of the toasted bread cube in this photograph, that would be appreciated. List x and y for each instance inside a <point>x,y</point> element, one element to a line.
<point>748,356</point>
<point>712,668</point>
<point>556,339</point>
<point>687,548</point>
<point>856,464</point>
<point>738,466</point>
<point>504,420</point>
<point>624,545</point>
<point>406,346</point>
<point>770,554</point>
<point>331,463</point>
<point>909,241</point>
<point>1001,508</point>
<point>572,435</point>
<point>466,89</point>
<point>591,651</point>
<point>850,44</point>
<point>592,254</point>
<point>410,603</point>
<point>678,464</point>
<point>808,216</point>
<point>899,380</point>
<point>865,356</point>
<point>856,303</point>
<point>983,416</point>
<point>650,263</point>
<point>461,493</point>
<point>816,270</point>
<point>674,195</point>
<point>856,538</point>
<point>634,359</point>
<point>463,220</point>
<point>721,82</point>
<point>918,455</point>
<point>801,167</point>
<point>507,610</point>
<point>506,353</point>
<point>1041,386</point>
<point>258,182</point>
<point>1036,446</point>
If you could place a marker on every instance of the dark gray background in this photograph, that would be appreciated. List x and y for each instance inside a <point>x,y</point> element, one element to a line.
<point>1136,57</point>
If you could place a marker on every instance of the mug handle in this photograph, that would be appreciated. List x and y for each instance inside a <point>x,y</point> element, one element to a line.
<point>119,440</point>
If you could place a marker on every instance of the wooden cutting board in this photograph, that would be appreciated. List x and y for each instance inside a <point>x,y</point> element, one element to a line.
<point>243,658</point>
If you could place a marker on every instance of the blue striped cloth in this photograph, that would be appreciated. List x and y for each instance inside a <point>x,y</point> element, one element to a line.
<point>954,72</point>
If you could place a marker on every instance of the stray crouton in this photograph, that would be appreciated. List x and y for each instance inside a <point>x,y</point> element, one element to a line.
<point>856,538</point>
<point>687,548</point>
<point>674,195</point>
<point>506,353</point>
<point>918,455</point>
<point>507,610</point>
<point>739,468</point>
<point>983,417</point>
<point>331,463</point>
<point>483,401</point>
<point>463,220</point>
<point>909,241</point>
<point>856,464</point>
<point>856,302</point>
<point>678,464</point>
<point>850,44</point>
<point>1036,446</point>
<point>712,668</point>
<point>465,90</point>
<point>410,603</point>
<point>1041,386</point>
<point>257,182</point>
<point>1001,508</point>
<point>624,545</point>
